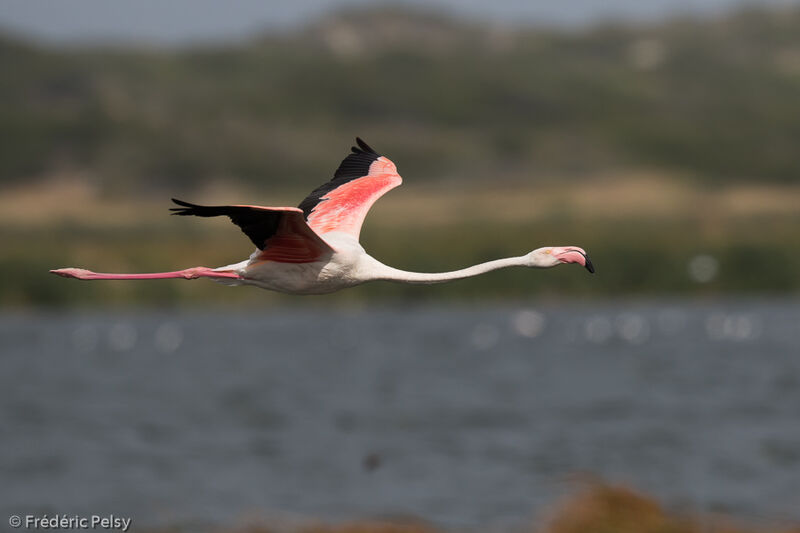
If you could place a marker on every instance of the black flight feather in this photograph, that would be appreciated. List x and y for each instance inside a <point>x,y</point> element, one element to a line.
<point>258,224</point>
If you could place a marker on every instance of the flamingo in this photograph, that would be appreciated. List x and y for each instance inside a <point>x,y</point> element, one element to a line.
<point>314,248</point>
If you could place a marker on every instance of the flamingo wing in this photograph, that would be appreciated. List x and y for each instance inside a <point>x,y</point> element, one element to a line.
<point>342,203</point>
<point>281,233</point>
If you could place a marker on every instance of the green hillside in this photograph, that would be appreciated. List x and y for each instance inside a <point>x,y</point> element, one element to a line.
<point>715,99</point>
<point>648,145</point>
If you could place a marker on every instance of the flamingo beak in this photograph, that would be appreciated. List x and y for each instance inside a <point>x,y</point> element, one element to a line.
<point>589,266</point>
<point>574,255</point>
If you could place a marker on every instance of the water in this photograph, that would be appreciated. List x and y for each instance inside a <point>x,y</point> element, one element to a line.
<point>464,417</point>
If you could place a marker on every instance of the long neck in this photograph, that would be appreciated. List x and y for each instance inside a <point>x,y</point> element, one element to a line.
<point>379,271</point>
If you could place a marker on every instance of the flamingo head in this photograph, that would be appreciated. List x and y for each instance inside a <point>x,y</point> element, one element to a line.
<point>551,256</point>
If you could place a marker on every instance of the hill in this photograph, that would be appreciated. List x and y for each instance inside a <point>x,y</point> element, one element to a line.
<point>714,100</point>
<point>657,148</point>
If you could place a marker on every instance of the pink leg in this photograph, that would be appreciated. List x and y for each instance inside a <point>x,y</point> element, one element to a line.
<point>189,273</point>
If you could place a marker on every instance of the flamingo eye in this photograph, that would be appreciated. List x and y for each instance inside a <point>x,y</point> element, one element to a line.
<point>548,252</point>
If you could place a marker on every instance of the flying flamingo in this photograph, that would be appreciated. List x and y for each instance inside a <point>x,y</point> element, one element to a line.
<point>314,248</point>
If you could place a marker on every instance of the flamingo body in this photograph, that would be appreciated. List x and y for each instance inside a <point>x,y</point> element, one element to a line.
<point>314,248</point>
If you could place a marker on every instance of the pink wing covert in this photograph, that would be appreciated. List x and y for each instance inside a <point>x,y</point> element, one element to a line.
<point>343,203</point>
<point>294,241</point>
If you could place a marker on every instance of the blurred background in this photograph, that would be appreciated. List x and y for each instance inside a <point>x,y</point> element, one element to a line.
<point>660,136</point>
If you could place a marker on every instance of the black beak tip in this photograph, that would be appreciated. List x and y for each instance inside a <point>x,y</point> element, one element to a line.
<point>589,265</point>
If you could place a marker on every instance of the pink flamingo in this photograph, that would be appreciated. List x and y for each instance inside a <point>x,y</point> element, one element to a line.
<point>314,248</point>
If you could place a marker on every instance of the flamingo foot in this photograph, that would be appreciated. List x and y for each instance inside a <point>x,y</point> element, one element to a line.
<point>77,273</point>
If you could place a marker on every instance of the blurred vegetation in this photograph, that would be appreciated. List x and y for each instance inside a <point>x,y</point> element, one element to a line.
<point>596,509</point>
<point>717,98</point>
<point>709,104</point>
